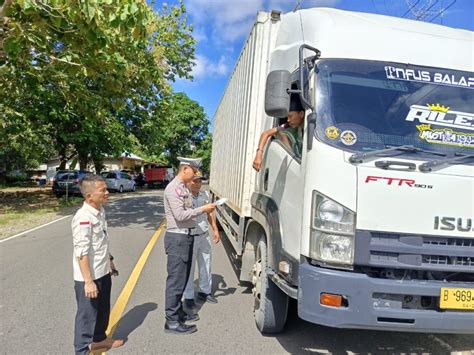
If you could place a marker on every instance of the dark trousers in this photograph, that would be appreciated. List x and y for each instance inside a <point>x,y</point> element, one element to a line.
<point>179,248</point>
<point>92,317</point>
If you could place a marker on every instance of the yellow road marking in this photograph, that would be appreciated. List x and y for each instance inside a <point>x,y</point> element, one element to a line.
<point>122,300</point>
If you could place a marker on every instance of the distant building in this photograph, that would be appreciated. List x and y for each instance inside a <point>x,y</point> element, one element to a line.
<point>126,161</point>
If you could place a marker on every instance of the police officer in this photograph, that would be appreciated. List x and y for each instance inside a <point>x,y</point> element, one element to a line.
<point>180,232</point>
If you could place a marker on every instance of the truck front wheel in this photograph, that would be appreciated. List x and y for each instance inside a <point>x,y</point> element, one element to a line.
<point>271,304</point>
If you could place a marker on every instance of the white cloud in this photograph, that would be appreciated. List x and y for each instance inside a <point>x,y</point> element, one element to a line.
<point>229,20</point>
<point>206,68</point>
<point>286,5</point>
<point>199,34</point>
<point>232,20</point>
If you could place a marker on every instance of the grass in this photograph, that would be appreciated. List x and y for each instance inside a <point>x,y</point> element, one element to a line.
<point>19,203</point>
<point>15,216</point>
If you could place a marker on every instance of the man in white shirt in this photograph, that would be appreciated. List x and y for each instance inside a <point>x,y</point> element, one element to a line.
<point>92,264</point>
<point>201,247</point>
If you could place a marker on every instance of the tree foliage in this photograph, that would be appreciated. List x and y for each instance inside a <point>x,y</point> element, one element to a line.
<point>185,131</point>
<point>87,77</point>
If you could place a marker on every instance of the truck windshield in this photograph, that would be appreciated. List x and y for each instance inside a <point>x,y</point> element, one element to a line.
<point>369,105</point>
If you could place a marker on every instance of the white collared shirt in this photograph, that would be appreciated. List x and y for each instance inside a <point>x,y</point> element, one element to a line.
<point>89,234</point>
<point>202,222</point>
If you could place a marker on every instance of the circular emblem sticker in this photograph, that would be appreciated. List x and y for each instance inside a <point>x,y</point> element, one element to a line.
<point>348,137</point>
<point>332,132</point>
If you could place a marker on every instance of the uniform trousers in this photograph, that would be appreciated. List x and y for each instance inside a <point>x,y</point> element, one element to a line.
<point>92,317</point>
<point>179,249</point>
<point>202,256</point>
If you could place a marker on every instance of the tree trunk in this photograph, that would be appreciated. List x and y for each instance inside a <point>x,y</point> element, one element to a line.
<point>98,164</point>
<point>83,160</point>
<point>62,158</point>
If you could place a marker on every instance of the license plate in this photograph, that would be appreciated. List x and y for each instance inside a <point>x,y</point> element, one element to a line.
<point>457,298</point>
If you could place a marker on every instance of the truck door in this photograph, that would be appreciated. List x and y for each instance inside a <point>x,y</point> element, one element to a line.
<point>283,181</point>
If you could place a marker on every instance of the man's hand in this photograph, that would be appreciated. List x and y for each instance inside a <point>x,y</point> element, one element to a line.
<point>90,289</point>
<point>208,208</point>
<point>113,269</point>
<point>216,236</point>
<point>257,162</point>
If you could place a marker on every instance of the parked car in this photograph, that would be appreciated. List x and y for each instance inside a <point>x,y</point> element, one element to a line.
<point>66,182</point>
<point>119,181</point>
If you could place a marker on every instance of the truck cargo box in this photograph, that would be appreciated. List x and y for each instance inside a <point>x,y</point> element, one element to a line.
<point>239,119</point>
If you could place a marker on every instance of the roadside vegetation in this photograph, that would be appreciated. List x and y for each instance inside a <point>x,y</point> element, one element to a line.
<point>18,203</point>
<point>88,79</point>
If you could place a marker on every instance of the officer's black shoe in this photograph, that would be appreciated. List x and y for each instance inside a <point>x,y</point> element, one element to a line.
<point>189,318</point>
<point>207,297</point>
<point>179,328</point>
<point>189,302</point>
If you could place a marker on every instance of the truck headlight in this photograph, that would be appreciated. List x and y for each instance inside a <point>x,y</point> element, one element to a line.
<point>332,231</point>
<point>332,248</point>
<point>330,211</point>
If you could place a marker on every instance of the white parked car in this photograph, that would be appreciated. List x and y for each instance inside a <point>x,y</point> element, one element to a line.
<point>119,181</point>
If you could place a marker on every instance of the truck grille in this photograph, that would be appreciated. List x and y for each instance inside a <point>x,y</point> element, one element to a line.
<point>460,242</point>
<point>446,260</point>
<point>420,252</point>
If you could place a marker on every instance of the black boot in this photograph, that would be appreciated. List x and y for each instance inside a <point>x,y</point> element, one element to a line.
<point>179,328</point>
<point>207,297</point>
<point>188,317</point>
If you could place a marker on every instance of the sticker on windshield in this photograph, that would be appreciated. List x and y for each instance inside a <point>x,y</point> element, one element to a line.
<point>427,76</point>
<point>348,137</point>
<point>445,136</point>
<point>332,132</point>
<point>441,115</point>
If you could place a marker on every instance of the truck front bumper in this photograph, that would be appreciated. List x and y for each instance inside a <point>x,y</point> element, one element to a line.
<point>367,308</point>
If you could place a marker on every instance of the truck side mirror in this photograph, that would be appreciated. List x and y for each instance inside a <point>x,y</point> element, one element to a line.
<point>277,98</point>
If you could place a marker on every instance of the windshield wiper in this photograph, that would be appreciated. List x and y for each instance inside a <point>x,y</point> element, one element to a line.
<point>428,166</point>
<point>360,157</point>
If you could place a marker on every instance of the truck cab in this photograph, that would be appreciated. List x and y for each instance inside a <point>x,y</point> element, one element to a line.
<point>370,224</point>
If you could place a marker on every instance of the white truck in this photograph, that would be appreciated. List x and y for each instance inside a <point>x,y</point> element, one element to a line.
<point>370,223</point>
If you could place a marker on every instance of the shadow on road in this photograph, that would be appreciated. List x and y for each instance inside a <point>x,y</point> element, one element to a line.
<point>234,259</point>
<point>145,211</point>
<point>133,319</point>
<point>301,337</point>
<point>219,287</point>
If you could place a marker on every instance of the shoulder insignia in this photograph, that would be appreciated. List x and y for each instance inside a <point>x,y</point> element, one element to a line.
<point>84,223</point>
<point>178,191</point>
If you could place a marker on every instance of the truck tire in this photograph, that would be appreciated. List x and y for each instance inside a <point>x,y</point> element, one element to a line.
<point>271,304</point>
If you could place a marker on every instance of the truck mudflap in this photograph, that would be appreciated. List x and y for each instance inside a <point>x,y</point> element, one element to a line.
<point>374,303</point>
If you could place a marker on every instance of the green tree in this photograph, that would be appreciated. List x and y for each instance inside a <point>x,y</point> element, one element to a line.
<point>185,130</point>
<point>90,73</point>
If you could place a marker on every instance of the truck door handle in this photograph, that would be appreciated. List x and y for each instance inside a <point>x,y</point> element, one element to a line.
<point>265,180</point>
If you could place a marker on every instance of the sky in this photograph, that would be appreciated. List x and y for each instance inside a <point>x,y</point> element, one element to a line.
<point>221,28</point>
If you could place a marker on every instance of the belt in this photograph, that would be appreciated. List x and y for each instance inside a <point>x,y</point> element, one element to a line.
<point>188,231</point>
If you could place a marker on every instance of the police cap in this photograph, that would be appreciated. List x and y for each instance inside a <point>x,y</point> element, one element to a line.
<point>194,163</point>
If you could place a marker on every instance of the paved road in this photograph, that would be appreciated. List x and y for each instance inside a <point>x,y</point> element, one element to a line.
<point>37,300</point>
